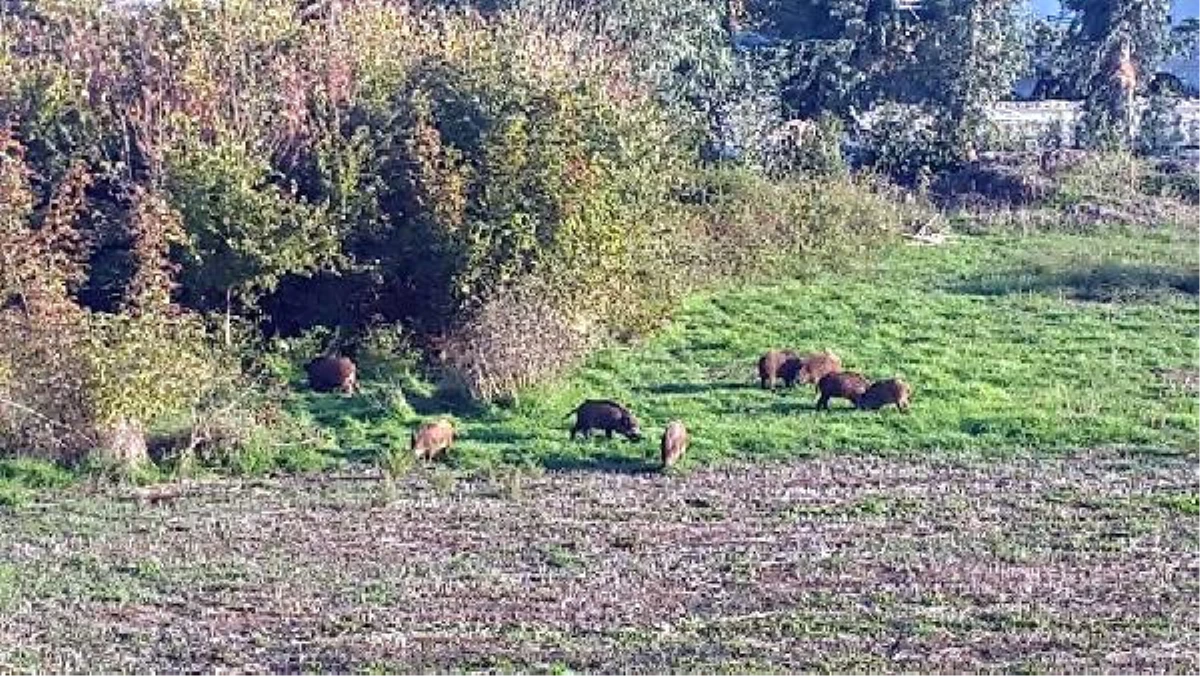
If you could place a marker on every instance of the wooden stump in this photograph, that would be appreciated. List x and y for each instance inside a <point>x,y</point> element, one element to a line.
<point>122,443</point>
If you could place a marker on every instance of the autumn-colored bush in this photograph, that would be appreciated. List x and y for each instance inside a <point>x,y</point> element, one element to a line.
<point>371,163</point>
<point>75,381</point>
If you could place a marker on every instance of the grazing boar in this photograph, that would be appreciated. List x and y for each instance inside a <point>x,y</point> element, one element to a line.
<point>432,439</point>
<point>674,443</point>
<point>844,385</point>
<point>814,366</point>
<point>326,374</point>
<point>884,392</point>
<point>602,414</point>
<point>771,364</point>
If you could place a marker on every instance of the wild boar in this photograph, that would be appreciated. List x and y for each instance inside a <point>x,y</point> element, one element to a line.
<point>432,439</point>
<point>674,443</point>
<point>814,366</point>
<point>770,365</point>
<point>602,414</point>
<point>329,373</point>
<point>884,392</point>
<point>843,385</point>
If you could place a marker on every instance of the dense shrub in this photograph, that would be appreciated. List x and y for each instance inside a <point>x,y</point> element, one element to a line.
<point>243,234</point>
<point>509,182</point>
<point>72,380</point>
<point>748,226</point>
<point>903,142</point>
<point>489,174</point>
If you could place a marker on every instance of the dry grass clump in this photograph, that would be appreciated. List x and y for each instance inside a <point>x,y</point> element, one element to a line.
<point>1071,191</point>
<point>514,340</point>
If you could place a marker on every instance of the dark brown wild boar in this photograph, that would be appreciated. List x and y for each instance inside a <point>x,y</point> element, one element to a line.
<point>432,439</point>
<point>326,374</point>
<point>674,443</point>
<point>843,385</point>
<point>770,365</point>
<point>602,414</point>
<point>884,392</point>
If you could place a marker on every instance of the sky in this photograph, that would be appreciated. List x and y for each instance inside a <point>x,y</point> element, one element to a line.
<point>1180,9</point>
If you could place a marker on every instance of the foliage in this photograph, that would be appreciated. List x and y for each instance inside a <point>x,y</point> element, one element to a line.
<point>747,227</point>
<point>679,49</point>
<point>1123,41</point>
<point>849,56</point>
<point>979,55</point>
<point>69,376</point>
<point>1159,124</point>
<point>489,176</point>
<point>243,233</point>
<point>902,142</point>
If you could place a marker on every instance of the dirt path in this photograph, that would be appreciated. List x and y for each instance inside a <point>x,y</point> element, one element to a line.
<point>849,564</point>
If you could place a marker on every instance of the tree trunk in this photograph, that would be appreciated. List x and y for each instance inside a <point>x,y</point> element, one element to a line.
<point>229,317</point>
<point>122,443</point>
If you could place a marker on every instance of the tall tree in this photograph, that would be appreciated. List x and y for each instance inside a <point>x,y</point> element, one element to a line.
<point>1123,40</point>
<point>979,56</point>
<point>953,57</point>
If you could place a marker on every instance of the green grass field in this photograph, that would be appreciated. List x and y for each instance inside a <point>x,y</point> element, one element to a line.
<point>1034,513</point>
<point>1011,344</point>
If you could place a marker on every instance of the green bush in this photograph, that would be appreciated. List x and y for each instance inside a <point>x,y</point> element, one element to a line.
<point>439,169</point>
<point>492,173</point>
<point>748,226</point>
<point>904,143</point>
<point>243,233</point>
<point>33,473</point>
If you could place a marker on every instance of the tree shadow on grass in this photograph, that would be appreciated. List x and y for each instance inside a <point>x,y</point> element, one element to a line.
<point>793,406</point>
<point>369,404</point>
<point>1107,282</point>
<point>609,462</point>
<point>695,388</point>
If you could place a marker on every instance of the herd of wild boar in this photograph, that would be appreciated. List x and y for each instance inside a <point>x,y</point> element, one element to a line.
<point>823,369</point>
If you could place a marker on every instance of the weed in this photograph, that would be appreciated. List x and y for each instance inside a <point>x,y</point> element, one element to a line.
<point>13,494</point>
<point>395,462</point>
<point>387,492</point>
<point>560,556</point>
<point>443,480</point>
<point>34,473</point>
<point>1185,503</point>
<point>9,583</point>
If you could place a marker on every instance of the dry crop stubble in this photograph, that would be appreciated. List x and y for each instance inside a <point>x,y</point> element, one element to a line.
<point>1078,563</point>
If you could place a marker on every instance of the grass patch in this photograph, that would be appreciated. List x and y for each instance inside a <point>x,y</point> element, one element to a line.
<point>1184,503</point>
<point>9,581</point>
<point>13,494</point>
<point>1049,342</point>
<point>34,473</point>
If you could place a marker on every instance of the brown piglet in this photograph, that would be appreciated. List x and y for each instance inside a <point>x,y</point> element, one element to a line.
<point>432,439</point>
<point>884,392</point>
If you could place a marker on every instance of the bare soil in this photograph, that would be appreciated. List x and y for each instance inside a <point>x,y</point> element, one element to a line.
<point>1083,563</point>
